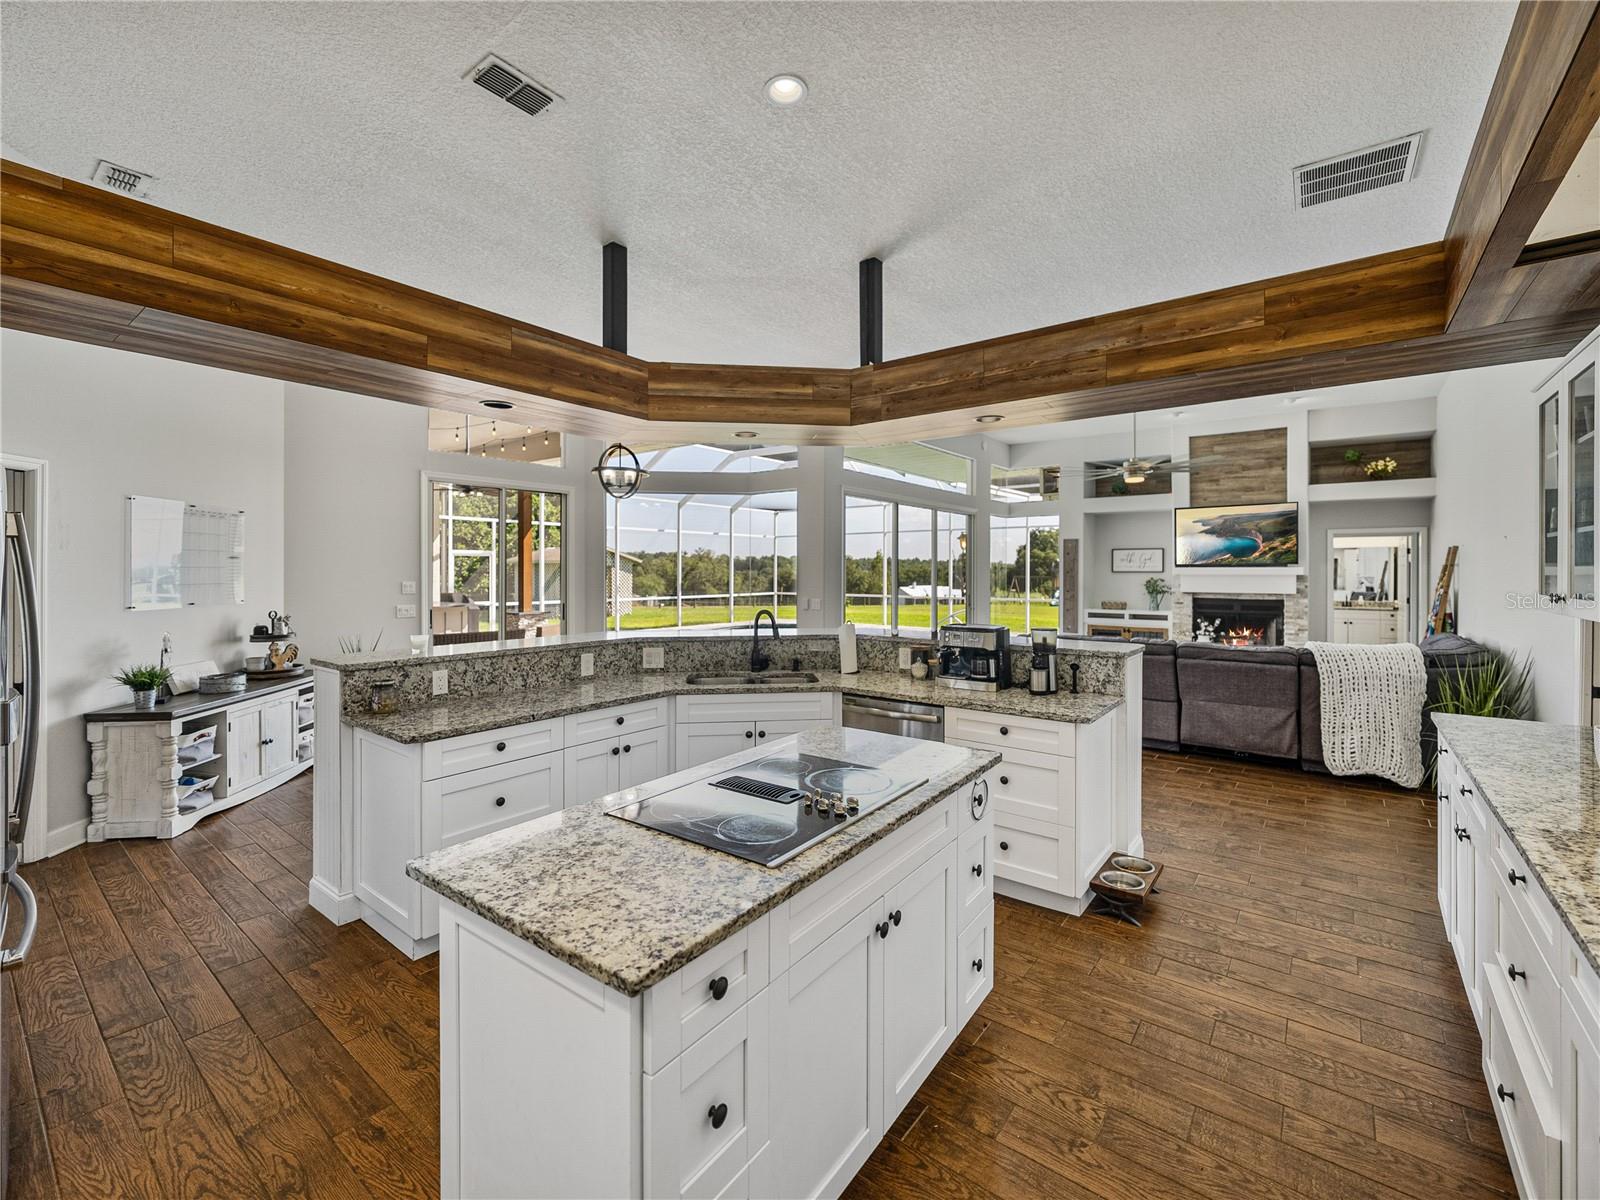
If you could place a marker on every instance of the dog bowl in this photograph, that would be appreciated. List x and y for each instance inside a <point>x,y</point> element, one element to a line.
<point>1124,881</point>
<point>1129,862</point>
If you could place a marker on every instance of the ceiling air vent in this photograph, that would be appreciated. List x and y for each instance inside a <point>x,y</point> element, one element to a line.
<point>122,179</point>
<point>511,85</point>
<point>1351,174</point>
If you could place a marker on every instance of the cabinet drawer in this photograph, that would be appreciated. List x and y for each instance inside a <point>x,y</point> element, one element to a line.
<point>705,1114</point>
<point>761,706</point>
<point>1040,787</point>
<point>1005,732</point>
<point>1524,1109</point>
<point>1032,852</point>
<point>975,964</point>
<point>1534,995</point>
<point>680,1009</point>
<point>1525,893</point>
<point>975,872</point>
<point>472,750</point>
<point>478,802</point>
<point>607,722</point>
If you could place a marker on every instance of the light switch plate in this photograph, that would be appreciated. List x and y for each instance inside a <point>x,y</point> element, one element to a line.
<point>655,657</point>
<point>586,665</point>
<point>405,612</point>
<point>905,658</point>
<point>408,587</point>
<point>441,681</point>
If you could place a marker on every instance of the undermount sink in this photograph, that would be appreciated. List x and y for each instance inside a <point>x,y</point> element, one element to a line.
<point>753,679</point>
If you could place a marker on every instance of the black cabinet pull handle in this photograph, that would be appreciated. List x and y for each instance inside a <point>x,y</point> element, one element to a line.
<point>719,987</point>
<point>615,750</point>
<point>1004,780</point>
<point>749,733</point>
<point>1465,790</point>
<point>1463,836</point>
<point>499,801</point>
<point>1500,1090</point>
<point>977,869</point>
<point>895,916</point>
<point>1515,974</point>
<point>1005,845</point>
<point>266,741</point>
<point>1515,878</point>
<point>977,965</point>
<point>620,720</point>
<point>1004,732</point>
<point>500,746</point>
<point>718,1114</point>
<point>883,929</point>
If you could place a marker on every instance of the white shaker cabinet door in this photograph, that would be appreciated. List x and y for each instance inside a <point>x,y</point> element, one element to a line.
<point>645,756</point>
<point>827,1063</point>
<point>703,741</point>
<point>592,770</point>
<point>919,987</point>
<point>277,735</point>
<point>244,749</point>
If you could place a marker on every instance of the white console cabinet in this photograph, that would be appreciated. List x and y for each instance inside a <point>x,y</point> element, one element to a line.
<point>770,1066</point>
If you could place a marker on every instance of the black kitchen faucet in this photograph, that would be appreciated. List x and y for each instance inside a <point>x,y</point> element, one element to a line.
<point>758,660</point>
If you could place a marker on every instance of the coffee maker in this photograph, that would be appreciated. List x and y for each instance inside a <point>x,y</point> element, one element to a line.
<point>976,657</point>
<point>1042,671</point>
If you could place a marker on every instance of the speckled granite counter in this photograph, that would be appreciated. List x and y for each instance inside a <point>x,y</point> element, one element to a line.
<point>628,905</point>
<point>1543,783</point>
<point>473,714</point>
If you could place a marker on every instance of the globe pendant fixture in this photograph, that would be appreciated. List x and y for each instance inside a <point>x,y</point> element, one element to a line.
<point>617,476</point>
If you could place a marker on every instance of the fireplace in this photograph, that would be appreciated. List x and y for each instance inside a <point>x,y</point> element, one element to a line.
<point>1241,621</point>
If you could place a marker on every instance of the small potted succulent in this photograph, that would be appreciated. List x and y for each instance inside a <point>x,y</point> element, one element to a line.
<point>145,684</point>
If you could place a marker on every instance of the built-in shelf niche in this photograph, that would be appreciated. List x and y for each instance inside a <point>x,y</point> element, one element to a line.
<point>1159,484</point>
<point>1413,458</point>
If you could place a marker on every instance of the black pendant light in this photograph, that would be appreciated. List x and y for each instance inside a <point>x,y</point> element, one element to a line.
<point>619,476</point>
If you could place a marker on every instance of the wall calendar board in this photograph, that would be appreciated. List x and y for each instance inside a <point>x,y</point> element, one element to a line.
<point>181,555</point>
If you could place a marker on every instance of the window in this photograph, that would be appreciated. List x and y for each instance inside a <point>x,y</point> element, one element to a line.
<point>496,563</point>
<point>905,566</point>
<point>912,462</point>
<point>1016,484</point>
<point>678,561</point>
<point>1025,573</point>
<point>740,459</point>
<point>489,437</point>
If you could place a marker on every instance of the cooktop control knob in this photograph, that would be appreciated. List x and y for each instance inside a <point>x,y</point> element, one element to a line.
<point>838,806</point>
<point>853,803</point>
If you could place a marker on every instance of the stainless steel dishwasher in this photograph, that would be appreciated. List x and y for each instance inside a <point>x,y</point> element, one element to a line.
<point>910,720</point>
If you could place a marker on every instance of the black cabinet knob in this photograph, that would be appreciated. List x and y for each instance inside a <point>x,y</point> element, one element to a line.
<point>1005,845</point>
<point>1004,780</point>
<point>761,733</point>
<point>718,1114</point>
<point>499,801</point>
<point>977,869</point>
<point>266,741</point>
<point>750,733</point>
<point>500,746</point>
<point>627,749</point>
<point>883,929</point>
<point>895,916</point>
<point>719,987</point>
<point>1500,1090</point>
<point>1515,878</point>
<point>1004,732</point>
<point>615,750</point>
<point>620,720</point>
<point>1515,974</point>
<point>977,965</point>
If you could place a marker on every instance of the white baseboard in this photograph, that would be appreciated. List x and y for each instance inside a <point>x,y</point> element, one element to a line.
<point>1073,906</point>
<point>66,837</point>
<point>340,909</point>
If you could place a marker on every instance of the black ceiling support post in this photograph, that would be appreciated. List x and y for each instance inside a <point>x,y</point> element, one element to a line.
<point>614,298</point>
<point>871,311</point>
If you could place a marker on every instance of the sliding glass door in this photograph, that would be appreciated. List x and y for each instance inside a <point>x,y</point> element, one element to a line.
<point>496,563</point>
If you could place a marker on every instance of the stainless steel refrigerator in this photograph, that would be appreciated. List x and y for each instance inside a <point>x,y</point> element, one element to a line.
<point>19,750</point>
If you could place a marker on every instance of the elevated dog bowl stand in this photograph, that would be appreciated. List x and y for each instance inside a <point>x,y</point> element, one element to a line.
<point>1120,903</point>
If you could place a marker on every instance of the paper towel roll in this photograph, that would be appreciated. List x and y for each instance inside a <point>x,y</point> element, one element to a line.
<point>847,649</point>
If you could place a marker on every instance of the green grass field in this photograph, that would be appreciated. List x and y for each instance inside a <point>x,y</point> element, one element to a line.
<point>1010,613</point>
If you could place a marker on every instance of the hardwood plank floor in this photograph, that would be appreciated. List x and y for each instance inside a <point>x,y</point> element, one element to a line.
<point>1288,1023</point>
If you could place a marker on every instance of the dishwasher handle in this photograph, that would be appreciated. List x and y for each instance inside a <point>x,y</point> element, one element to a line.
<point>924,718</point>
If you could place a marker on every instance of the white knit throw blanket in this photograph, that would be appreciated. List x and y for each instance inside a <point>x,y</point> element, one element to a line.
<point>1372,699</point>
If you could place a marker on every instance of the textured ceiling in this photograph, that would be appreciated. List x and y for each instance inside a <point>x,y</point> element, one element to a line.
<point>1015,165</point>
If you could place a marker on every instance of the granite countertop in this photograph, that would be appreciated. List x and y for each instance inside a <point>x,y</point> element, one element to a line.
<point>1543,783</point>
<point>452,717</point>
<point>628,905</point>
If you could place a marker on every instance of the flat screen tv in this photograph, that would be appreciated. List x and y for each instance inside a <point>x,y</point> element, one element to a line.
<point>1238,535</point>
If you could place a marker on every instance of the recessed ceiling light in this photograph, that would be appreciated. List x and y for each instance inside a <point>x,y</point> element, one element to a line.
<point>744,433</point>
<point>785,90</point>
<point>497,405</point>
<point>988,418</point>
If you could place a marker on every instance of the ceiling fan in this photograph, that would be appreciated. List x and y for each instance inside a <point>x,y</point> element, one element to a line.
<point>1135,470</point>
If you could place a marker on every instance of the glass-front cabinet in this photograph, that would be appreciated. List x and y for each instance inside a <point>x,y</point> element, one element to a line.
<point>1567,476</point>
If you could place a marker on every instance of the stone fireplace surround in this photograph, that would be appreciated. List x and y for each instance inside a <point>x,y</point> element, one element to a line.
<point>1296,608</point>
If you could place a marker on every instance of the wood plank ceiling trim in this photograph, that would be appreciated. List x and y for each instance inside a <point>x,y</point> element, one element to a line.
<point>1544,103</point>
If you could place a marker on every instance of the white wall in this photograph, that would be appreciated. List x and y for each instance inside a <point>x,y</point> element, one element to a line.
<point>1486,458</point>
<point>111,424</point>
<point>1105,532</point>
<point>1357,514</point>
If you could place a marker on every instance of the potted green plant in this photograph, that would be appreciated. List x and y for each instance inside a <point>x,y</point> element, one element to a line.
<point>144,682</point>
<point>1158,589</point>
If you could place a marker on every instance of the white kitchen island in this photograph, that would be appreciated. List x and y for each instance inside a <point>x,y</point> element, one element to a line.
<point>626,1013</point>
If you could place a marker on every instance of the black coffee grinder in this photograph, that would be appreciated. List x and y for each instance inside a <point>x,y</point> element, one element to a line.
<point>1042,671</point>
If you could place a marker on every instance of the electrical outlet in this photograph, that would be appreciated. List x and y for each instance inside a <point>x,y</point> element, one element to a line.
<point>586,665</point>
<point>441,681</point>
<point>405,612</point>
<point>905,658</point>
<point>408,587</point>
<point>655,657</point>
